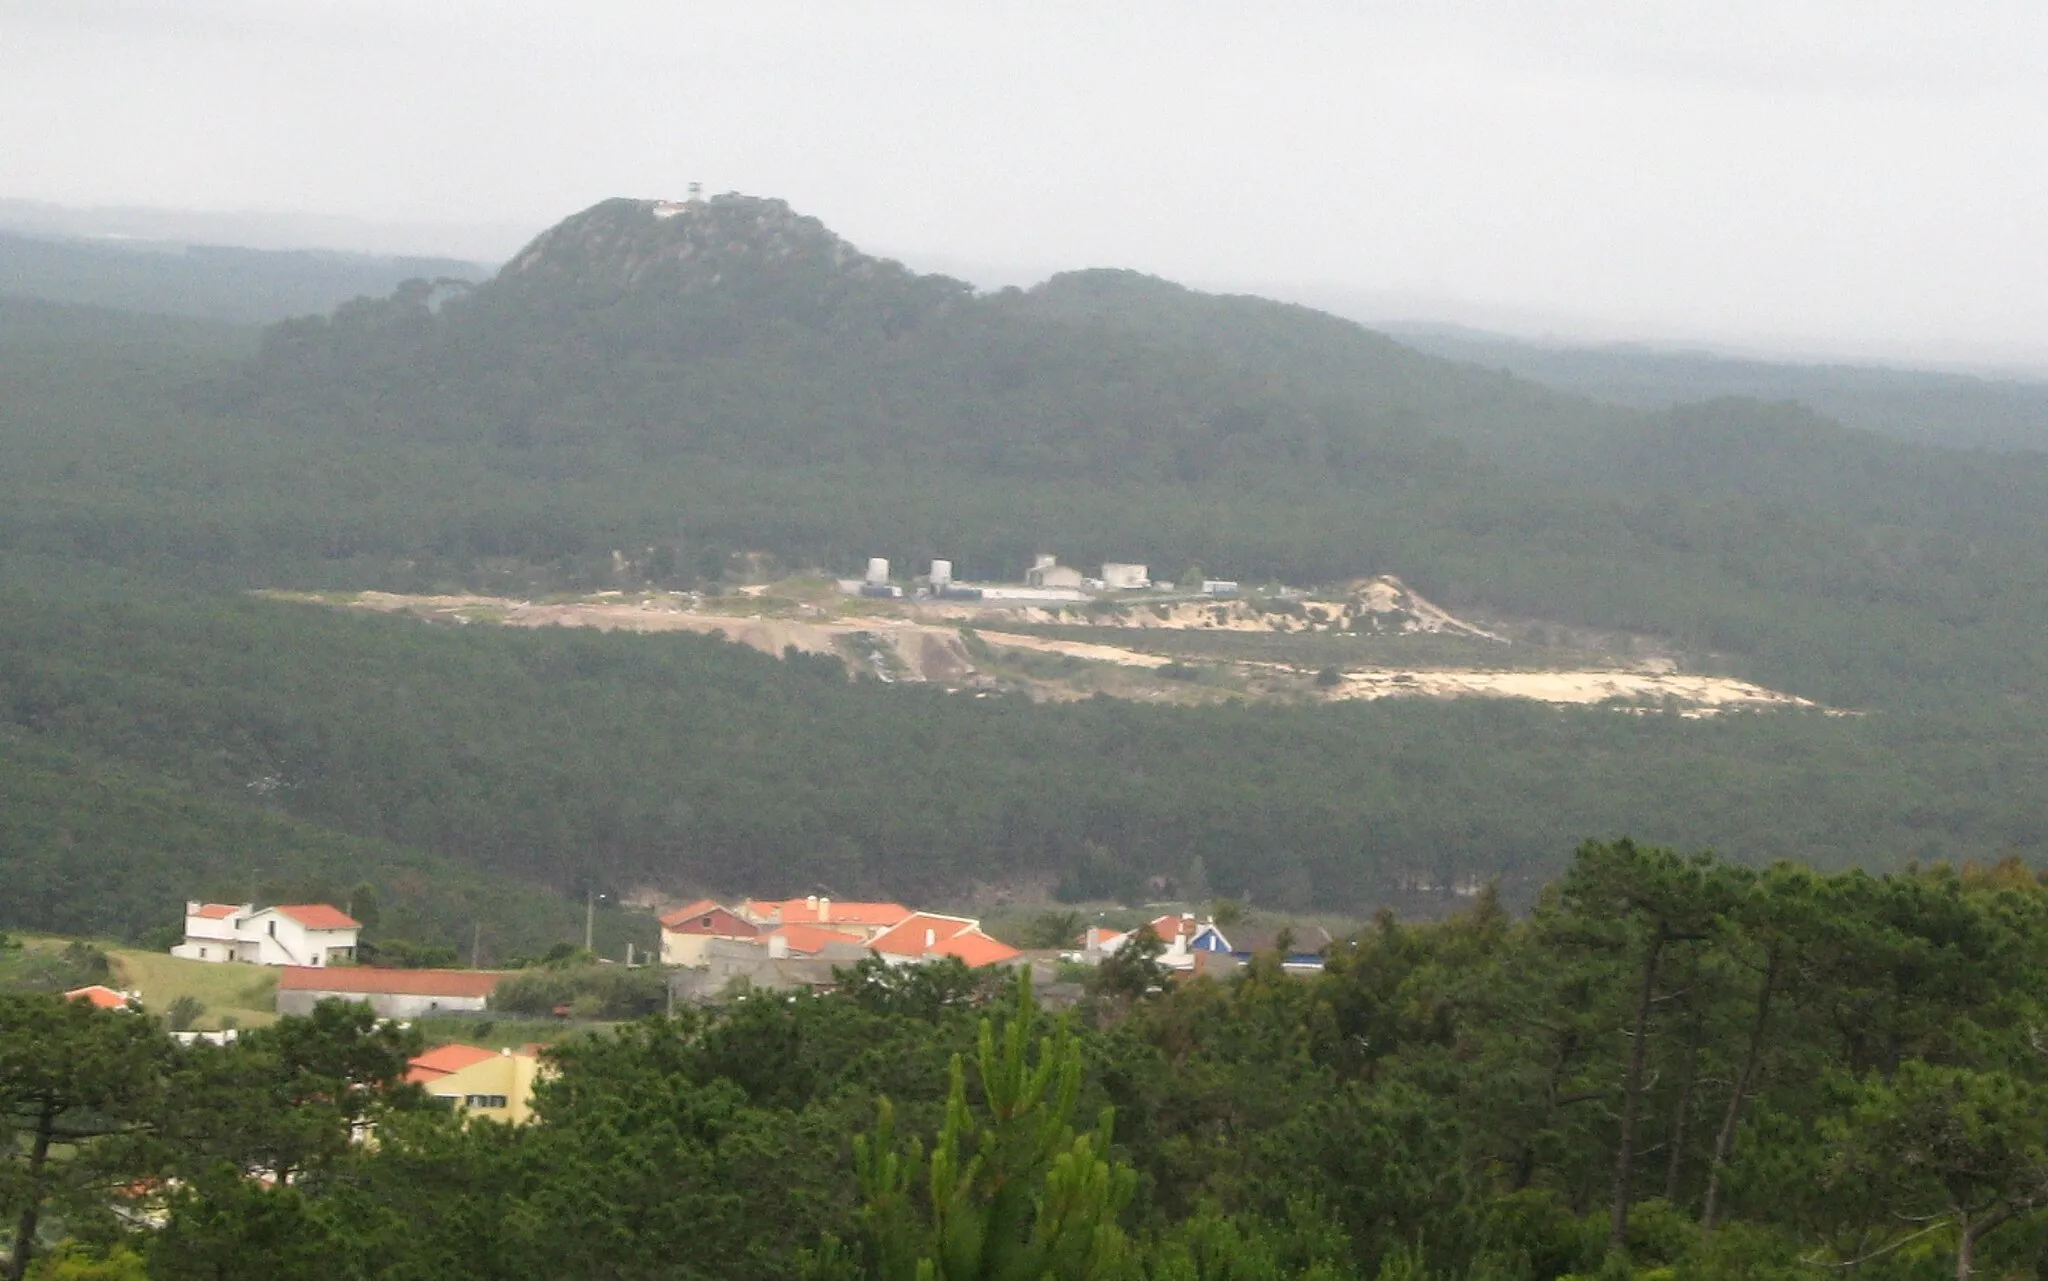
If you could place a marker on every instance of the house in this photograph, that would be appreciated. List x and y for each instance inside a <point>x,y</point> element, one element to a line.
<point>1125,578</point>
<point>1185,938</point>
<point>685,931</point>
<point>865,920</point>
<point>492,1083</point>
<point>728,967</point>
<point>1219,587</point>
<point>810,940</point>
<point>1046,571</point>
<point>309,934</point>
<point>393,994</point>
<point>1306,945</point>
<point>1098,942</point>
<point>1191,945</point>
<point>104,997</point>
<point>928,936</point>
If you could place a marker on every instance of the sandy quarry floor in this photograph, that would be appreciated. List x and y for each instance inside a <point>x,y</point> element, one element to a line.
<point>920,650</point>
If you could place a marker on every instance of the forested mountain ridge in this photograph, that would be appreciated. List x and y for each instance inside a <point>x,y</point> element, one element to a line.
<point>221,283</point>
<point>1958,410</point>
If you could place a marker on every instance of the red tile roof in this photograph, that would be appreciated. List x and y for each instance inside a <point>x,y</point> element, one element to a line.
<point>825,911</point>
<point>441,1060</point>
<point>217,911</point>
<point>365,979</point>
<point>698,908</point>
<point>98,994</point>
<point>976,948</point>
<point>318,916</point>
<point>919,933</point>
<point>809,938</point>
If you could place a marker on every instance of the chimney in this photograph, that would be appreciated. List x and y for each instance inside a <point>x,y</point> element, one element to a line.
<point>824,910</point>
<point>191,907</point>
<point>931,937</point>
<point>812,902</point>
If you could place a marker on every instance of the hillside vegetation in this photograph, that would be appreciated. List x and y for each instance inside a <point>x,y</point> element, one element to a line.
<point>722,392</point>
<point>1674,1069</point>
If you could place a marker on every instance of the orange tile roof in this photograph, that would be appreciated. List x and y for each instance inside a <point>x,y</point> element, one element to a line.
<point>809,938</point>
<point>366,979</point>
<point>976,948</point>
<point>98,994</point>
<point>217,911</point>
<point>441,1060</point>
<point>697,908</point>
<point>318,916</point>
<point>908,937</point>
<point>802,911</point>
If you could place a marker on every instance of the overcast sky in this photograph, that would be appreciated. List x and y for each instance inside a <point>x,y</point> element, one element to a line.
<point>1863,177</point>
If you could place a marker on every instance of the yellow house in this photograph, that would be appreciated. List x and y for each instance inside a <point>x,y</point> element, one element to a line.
<point>493,1083</point>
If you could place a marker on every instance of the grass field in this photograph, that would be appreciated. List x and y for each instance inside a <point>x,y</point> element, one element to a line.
<point>244,993</point>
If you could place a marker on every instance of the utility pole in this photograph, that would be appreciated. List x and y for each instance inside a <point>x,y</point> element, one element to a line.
<point>476,944</point>
<point>589,920</point>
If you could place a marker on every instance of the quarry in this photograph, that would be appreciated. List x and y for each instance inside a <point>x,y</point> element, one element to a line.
<point>1062,636</point>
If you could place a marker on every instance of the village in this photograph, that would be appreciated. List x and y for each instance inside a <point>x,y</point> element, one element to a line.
<point>710,953</point>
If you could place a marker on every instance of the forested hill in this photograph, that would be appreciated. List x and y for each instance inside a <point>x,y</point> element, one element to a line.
<point>736,330</point>
<point>739,327</point>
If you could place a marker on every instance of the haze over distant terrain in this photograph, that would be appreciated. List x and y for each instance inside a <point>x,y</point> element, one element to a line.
<point>1820,177</point>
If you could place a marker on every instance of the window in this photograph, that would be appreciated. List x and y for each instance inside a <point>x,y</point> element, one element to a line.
<point>484,1100</point>
<point>202,953</point>
<point>273,929</point>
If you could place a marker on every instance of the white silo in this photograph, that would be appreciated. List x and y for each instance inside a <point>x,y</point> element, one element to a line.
<point>878,571</point>
<point>942,575</point>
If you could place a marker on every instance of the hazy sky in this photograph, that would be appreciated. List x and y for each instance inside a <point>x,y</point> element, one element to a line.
<point>1865,176</point>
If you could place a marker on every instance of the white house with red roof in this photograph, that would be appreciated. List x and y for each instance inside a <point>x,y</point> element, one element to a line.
<point>309,934</point>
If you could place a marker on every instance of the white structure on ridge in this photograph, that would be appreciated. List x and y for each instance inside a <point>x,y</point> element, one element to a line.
<point>312,934</point>
<point>1125,578</point>
<point>878,571</point>
<point>941,575</point>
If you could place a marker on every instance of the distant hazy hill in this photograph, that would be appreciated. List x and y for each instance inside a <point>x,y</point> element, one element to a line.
<point>243,286</point>
<point>1935,408</point>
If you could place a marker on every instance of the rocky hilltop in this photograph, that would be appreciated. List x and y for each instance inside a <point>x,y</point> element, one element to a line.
<point>737,250</point>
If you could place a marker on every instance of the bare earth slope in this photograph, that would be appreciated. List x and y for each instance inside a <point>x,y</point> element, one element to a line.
<point>962,645</point>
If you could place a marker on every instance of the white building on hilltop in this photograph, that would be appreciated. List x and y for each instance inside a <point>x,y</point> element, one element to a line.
<point>311,934</point>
